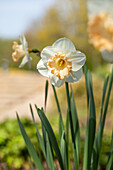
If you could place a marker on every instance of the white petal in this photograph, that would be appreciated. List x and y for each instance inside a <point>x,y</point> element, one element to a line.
<point>74,76</point>
<point>55,81</point>
<point>48,52</point>
<point>64,45</point>
<point>43,69</point>
<point>25,60</point>
<point>24,42</point>
<point>108,56</point>
<point>78,59</point>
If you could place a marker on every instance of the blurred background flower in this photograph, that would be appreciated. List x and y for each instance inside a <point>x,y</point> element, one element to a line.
<point>100,27</point>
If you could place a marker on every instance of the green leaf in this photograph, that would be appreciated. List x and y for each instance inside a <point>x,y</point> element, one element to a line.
<point>30,147</point>
<point>32,165</point>
<point>63,150</point>
<point>104,107</point>
<point>75,126</point>
<point>98,139</point>
<point>76,166</point>
<point>37,132</point>
<point>44,136</point>
<point>110,159</point>
<point>49,155</point>
<point>92,123</point>
<point>67,128</point>
<point>67,141</point>
<point>61,125</point>
<point>70,114</point>
<point>85,159</point>
<point>51,135</point>
<point>107,100</point>
<point>72,128</point>
<point>104,94</point>
<point>46,93</point>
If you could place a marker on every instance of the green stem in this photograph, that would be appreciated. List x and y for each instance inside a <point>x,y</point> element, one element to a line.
<point>35,51</point>
<point>70,116</point>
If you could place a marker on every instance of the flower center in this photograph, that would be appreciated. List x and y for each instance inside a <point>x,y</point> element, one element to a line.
<point>60,65</point>
<point>61,62</point>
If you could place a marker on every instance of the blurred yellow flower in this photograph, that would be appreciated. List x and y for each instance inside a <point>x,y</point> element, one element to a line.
<point>18,51</point>
<point>21,51</point>
<point>100,29</point>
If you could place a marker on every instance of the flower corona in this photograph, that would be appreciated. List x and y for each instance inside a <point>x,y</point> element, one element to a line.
<point>60,65</point>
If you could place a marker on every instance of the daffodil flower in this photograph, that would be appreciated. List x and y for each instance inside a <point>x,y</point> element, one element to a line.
<point>61,62</point>
<point>100,28</point>
<point>21,51</point>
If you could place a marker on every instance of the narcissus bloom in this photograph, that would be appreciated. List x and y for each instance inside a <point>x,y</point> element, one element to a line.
<point>61,62</point>
<point>21,51</point>
<point>100,29</point>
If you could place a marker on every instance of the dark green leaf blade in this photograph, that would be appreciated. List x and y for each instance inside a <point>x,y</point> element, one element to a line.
<point>37,132</point>
<point>63,151</point>
<point>92,123</point>
<point>75,126</point>
<point>61,124</point>
<point>49,158</point>
<point>51,135</point>
<point>98,139</point>
<point>32,165</point>
<point>29,145</point>
<point>110,159</point>
<point>107,100</point>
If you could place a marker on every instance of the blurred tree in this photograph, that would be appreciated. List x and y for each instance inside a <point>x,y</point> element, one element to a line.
<point>66,18</point>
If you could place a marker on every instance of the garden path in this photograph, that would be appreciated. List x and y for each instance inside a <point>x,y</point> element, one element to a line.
<point>17,90</point>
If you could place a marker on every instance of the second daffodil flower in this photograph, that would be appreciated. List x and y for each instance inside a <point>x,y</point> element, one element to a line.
<point>61,62</point>
<point>21,51</point>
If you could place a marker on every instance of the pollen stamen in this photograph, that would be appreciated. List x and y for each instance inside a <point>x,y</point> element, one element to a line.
<point>60,65</point>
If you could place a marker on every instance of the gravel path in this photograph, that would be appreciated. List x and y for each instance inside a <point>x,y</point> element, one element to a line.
<point>17,90</point>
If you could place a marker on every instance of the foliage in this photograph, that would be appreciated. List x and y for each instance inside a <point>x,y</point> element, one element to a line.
<point>49,144</point>
<point>12,147</point>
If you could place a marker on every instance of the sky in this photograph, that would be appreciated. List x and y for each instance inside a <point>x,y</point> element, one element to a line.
<point>17,15</point>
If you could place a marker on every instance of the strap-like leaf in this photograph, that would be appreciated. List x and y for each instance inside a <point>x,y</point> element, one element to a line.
<point>110,159</point>
<point>51,135</point>
<point>98,139</point>
<point>61,124</point>
<point>67,140</point>
<point>49,158</point>
<point>70,114</point>
<point>37,132</point>
<point>32,165</point>
<point>76,127</point>
<point>63,150</point>
<point>91,125</point>
<point>71,126</point>
<point>85,159</point>
<point>103,95</point>
<point>107,100</point>
<point>30,147</point>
